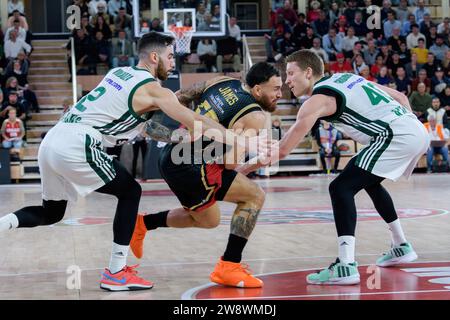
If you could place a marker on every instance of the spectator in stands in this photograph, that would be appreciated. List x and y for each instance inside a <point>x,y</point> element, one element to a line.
<point>420,101</point>
<point>26,95</point>
<point>421,51</point>
<point>358,63</point>
<point>332,44</point>
<point>156,25</point>
<point>439,48</point>
<point>430,65</point>
<point>437,112</point>
<point>101,12</point>
<point>321,25</point>
<point>102,49</point>
<point>426,24</point>
<point>393,63</point>
<point>84,53</point>
<point>123,21</point>
<point>404,53</point>
<point>113,8</point>
<point>103,27</point>
<point>84,9</point>
<point>14,69</point>
<point>444,27</point>
<point>15,5</point>
<point>370,53</point>
<point>386,8</point>
<point>350,12</point>
<point>13,46</point>
<point>439,81</point>
<point>207,52</point>
<point>390,24</point>
<point>85,26</point>
<point>383,76</point>
<point>407,25</point>
<point>402,11</point>
<point>349,42</point>
<point>384,51</point>
<point>402,82</point>
<point>395,40</point>
<point>375,68</point>
<point>412,40</point>
<point>16,16</point>
<point>277,34</point>
<point>20,32</point>
<point>13,102</point>
<point>286,46</point>
<point>206,24</point>
<point>216,15</point>
<point>314,11</point>
<point>342,26</point>
<point>359,25</point>
<point>13,131</point>
<point>438,136</point>
<point>365,73</point>
<point>412,68</point>
<point>123,54</point>
<point>421,78</point>
<point>444,98</point>
<point>306,42</point>
<point>431,36</point>
<point>446,64</point>
<point>327,138</point>
<point>93,6</point>
<point>334,13</point>
<point>227,51</point>
<point>288,13</point>
<point>420,11</point>
<point>319,50</point>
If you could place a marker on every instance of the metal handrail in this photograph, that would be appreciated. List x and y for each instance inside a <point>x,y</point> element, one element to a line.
<point>248,63</point>
<point>74,71</point>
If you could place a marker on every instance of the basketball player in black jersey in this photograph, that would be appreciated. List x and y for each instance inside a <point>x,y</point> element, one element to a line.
<point>205,179</point>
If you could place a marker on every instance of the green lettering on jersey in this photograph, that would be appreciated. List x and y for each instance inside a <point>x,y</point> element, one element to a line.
<point>376,95</point>
<point>343,78</point>
<point>125,76</point>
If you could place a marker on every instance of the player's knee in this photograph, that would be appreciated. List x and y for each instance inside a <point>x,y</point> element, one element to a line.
<point>210,223</point>
<point>53,212</point>
<point>336,188</point>
<point>134,190</point>
<point>260,196</point>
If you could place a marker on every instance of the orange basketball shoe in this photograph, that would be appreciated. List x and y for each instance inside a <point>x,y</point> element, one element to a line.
<point>235,275</point>
<point>124,280</point>
<point>137,241</point>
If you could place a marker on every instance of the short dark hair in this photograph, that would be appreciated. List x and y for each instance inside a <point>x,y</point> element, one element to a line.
<point>259,73</point>
<point>306,58</point>
<point>154,41</point>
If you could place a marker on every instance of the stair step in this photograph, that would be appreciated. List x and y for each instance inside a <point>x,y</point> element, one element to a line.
<point>49,43</point>
<point>51,107</point>
<point>35,133</point>
<point>35,57</point>
<point>30,176</point>
<point>49,63</point>
<point>53,92</point>
<point>46,116</point>
<point>55,78</point>
<point>49,71</point>
<point>51,50</point>
<point>258,40</point>
<point>51,85</point>
<point>41,123</point>
<point>32,142</point>
<point>53,100</point>
<point>257,52</point>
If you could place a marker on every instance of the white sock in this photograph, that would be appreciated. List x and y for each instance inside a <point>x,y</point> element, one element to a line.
<point>9,222</point>
<point>397,233</point>
<point>118,257</point>
<point>346,246</point>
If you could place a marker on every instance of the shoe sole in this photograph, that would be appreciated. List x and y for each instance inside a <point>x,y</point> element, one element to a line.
<point>410,257</point>
<point>134,287</point>
<point>240,284</point>
<point>347,281</point>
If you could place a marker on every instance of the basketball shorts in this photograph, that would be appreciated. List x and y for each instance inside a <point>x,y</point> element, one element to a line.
<point>395,152</point>
<point>72,162</point>
<point>197,186</point>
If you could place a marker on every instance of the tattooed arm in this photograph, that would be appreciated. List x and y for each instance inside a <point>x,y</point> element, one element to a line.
<point>158,132</point>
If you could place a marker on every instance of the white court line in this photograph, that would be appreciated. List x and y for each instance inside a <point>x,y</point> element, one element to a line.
<point>209,262</point>
<point>189,294</point>
<point>330,295</point>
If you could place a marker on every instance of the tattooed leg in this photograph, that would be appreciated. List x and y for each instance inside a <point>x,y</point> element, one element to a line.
<point>244,219</point>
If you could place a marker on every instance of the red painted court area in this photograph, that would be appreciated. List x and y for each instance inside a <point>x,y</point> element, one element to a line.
<point>415,281</point>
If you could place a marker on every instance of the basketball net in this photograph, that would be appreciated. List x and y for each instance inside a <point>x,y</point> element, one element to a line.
<point>183,37</point>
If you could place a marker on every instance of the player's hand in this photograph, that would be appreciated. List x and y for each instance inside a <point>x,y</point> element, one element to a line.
<point>259,144</point>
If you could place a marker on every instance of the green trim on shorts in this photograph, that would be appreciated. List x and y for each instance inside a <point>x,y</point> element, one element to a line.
<point>98,162</point>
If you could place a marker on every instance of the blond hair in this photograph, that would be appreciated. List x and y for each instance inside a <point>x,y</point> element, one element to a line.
<point>306,58</point>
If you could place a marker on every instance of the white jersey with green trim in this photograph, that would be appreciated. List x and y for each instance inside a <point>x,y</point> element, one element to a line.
<point>108,107</point>
<point>365,111</point>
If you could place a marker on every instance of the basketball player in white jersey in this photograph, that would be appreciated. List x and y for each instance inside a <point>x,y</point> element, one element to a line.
<point>370,114</point>
<point>72,161</point>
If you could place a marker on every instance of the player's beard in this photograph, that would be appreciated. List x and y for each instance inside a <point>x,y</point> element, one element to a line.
<point>267,104</point>
<point>161,72</point>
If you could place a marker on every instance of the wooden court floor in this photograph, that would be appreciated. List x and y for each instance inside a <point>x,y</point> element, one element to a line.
<point>295,235</point>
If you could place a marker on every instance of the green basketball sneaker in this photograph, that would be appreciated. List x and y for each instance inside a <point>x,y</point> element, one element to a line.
<point>337,274</point>
<point>403,253</point>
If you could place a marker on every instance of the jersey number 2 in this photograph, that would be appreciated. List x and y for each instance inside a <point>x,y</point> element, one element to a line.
<point>90,97</point>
